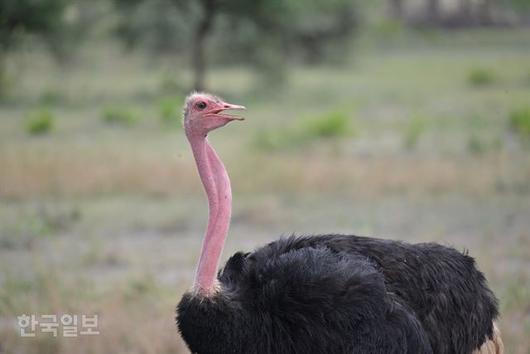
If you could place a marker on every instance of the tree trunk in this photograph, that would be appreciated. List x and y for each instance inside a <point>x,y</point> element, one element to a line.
<point>465,11</point>
<point>486,12</point>
<point>3,71</point>
<point>433,12</point>
<point>395,8</point>
<point>202,31</point>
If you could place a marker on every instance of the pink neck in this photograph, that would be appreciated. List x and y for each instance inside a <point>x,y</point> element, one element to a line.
<point>217,186</point>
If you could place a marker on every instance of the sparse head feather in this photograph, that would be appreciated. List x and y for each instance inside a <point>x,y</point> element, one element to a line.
<point>193,96</point>
<point>204,112</point>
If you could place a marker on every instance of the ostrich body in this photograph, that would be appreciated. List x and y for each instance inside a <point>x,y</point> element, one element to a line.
<point>325,293</point>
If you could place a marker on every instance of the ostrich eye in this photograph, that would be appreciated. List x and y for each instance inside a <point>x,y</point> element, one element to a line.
<point>201,105</point>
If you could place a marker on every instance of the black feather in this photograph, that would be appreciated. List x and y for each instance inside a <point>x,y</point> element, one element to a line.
<point>342,294</point>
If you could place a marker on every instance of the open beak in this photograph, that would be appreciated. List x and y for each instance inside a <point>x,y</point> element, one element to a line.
<point>229,107</point>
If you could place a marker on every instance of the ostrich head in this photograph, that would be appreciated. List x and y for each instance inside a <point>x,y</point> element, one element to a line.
<point>204,112</point>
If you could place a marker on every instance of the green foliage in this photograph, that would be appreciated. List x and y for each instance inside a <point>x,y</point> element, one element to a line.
<point>39,122</point>
<point>520,121</point>
<point>17,17</point>
<point>240,30</point>
<point>481,77</point>
<point>170,111</point>
<point>314,29</point>
<point>159,25</point>
<point>45,19</point>
<point>519,5</point>
<point>413,131</point>
<point>119,115</point>
<point>330,125</point>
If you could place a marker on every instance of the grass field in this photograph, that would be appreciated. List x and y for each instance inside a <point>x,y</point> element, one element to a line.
<point>102,211</point>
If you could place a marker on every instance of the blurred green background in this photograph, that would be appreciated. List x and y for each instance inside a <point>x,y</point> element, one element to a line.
<point>404,119</point>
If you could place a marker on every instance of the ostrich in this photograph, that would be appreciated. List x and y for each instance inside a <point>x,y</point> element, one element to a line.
<point>325,293</point>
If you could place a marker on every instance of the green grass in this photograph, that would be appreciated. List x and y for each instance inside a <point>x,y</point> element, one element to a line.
<point>119,115</point>
<point>327,126</point>
<point>413,131</point>
<point>170,111</point>
<point>520,121</point>
<point>481,77</point>
<point>40,122</point>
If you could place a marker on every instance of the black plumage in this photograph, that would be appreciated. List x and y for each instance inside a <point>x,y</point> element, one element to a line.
<point>342,294</point>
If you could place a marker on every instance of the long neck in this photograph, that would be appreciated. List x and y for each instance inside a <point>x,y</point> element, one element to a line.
<point>217,186</point>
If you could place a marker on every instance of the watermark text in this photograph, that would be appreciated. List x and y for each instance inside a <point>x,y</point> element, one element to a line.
<point>65,325</point>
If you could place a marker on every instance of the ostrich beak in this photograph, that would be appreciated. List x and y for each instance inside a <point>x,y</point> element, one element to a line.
<point>228,106</point>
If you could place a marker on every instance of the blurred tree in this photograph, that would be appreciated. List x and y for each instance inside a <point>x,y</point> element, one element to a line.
<point>203,28</point>
<point>433,11</point>
<point>169,26</point>
<point>522,7</point>
<point>317,25</point>
<point>519,4</point>
<point>476,12</point>
<point>396,9</point>
<point>286,26</point>
<point>465,10</point>
<point>485,12</point>
<point>44,18</point>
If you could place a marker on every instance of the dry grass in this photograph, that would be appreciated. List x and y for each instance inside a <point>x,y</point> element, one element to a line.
<point>88,171</point>
<point>130,321</point>
<point>107,219</point>
<point>94,171</point>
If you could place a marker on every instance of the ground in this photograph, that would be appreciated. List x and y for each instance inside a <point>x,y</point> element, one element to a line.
<point>107,217</point>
